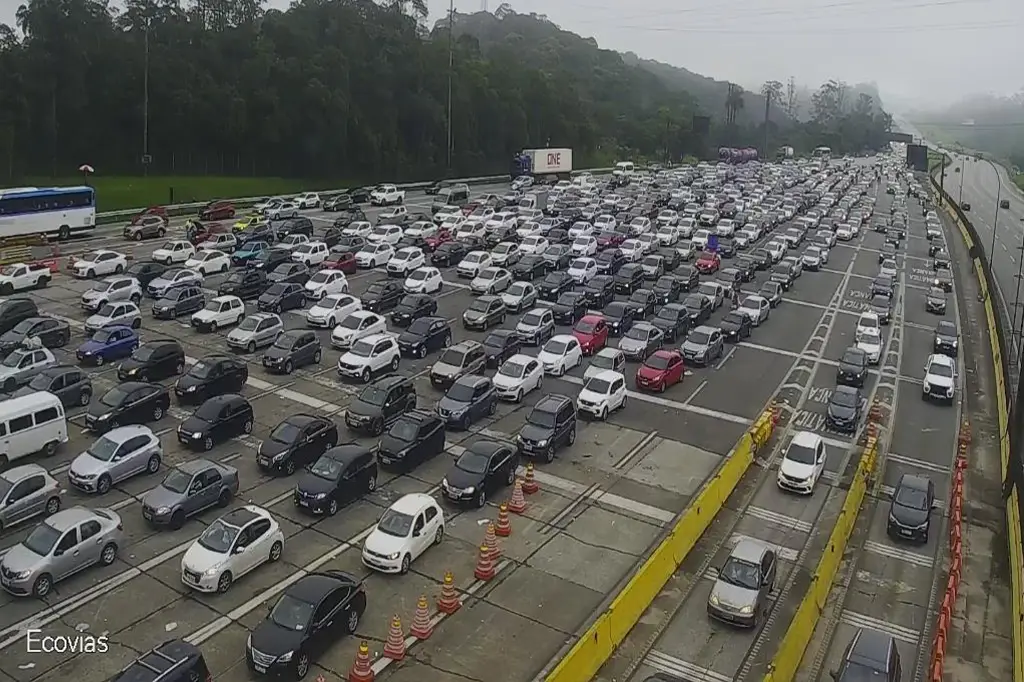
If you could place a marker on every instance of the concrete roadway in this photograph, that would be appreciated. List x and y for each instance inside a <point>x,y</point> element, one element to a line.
<point>676,636</point>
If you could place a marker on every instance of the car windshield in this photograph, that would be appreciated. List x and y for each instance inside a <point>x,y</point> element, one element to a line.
<point>286,433</point>
<point>657,362</point>
<point>24,327</point>
<point>936,292</point>
<point>459,392</point>
<point>404,430</point>
<point>480,305</point>
<point>114,397</point>
<point>845,399</point>
<point>103,449</point>
<point>914,498</point>
<point>473,462</point>
<point>853,357</point>
<point>177,481</point>
<point>940,370</point>
<point>541,418</point>
<point>636,333</point>
<point>249,324</point>
<point>320,277</point>
<point>599,386</point>
<point>200,370</point>
<point>213,306</point>
<point>292,614</point>
<point>698,338</point>
<point>373,395</point>
<point>740,573</point>
<point>103,336</point>
<point>868,335</point>
<point>418,275</point>
<point>274,290</point>
<point>945,329</point>
<point>219,537</point>
<point>351,322</point>
<point>106,311</point>
<point>362,349</point>
<point>326,468</point>
<point>532,320</point>
<point>42,539</point>
<point>395,523</point>
<point>556,347</point>
<point>40,382</point>
<point>580,264</point>
<point>512,369</point>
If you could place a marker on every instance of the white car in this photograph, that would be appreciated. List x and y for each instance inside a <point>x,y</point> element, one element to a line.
<point>359,228</point>
<point>888,268</point>
<point>775,249</point>
<point>174,252</point>
<point>309,200</point>
<point>939,378</point>
<point>685,250</point>
<point>844,233</point>
<point>632,249</point>
<point>668,217</point>
<point>225,242</point>
<point>425,280</point>
<point>744,238</point>
<point>519,296</point>
<point>389,234</point>
<point>649,241</point>
<point>560,354</point>
<point>112,289</point>
<point>331,309</point>
<point>491,281</point>
<point>480,215</point>
<point>828,236</point>
<point>421,228</point>
<point>235,544</point>
<point>405,531</point>
<point>292,242</point>
<point>119,313</point>
<point>406,260</point>
<point>453,223</point>
<point>517,376</point>
<point>506,254</point>
<point>374,255</point>
<point>602,394</point>
<point>812,258</point>
<point>447,213</point>
<point>605,223</point>
<point>534,244</point>
<point>639,225</point>
<point>388,215</point>
<point>802,463</point>
<point>370,356</point>
<point>355,326</point>
<point>686,227</point>
<point>284,210</point>
<point>470,231</point>
<point>868,321</point>
<point>270,202</point>
<point>473,263</point>
<point>700,239</point>
<point>667,235</point>
<point>311,254</point>
<point>581,229</point>
<point>528,229</point>
<point>220,312</point>
<point>757,308</point>
<point>582,270</point>
<point>100,263</point>
<point>387,195</point>
<point>584,246</point>
<point>869,340</point>
<point>207,262</point>
<point>324,283</point>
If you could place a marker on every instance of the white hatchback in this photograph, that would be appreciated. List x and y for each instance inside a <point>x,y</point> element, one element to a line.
<point>405,531</point>
<point>235,544</point>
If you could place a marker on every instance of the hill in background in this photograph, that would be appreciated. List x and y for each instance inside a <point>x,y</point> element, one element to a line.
<point>986,123</point>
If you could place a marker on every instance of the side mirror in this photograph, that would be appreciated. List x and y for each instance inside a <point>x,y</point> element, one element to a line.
<point>240,549</point>
<point>417,533</point>
<point>935,504</point>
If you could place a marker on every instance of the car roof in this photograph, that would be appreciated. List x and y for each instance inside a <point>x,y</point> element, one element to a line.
<point>871,645</point>
<point>608,375</point>
<point>913,481</point>
<point>806,439</point>
<point>939,359</point>
<point>413,503</point>
<point>193,466</point>
<point>748,550</point>
<point>705,329</point>
<point>123,433</point>
<point>15,474</point>
<point>313,587</point>
<point>67,518</point>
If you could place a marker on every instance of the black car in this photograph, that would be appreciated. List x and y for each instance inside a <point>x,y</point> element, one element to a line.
<point>853,368</point>
<point>289,273</point>
<point>688,277</point>
<point>381,403</point>
<point>262,232</point>
<point>554,285</point>
<point>618,315</point>
<point>735,326</point>
<point>599,291</point>
<point>209,376</point>
<point>424,336</point>
<point>946,340</point>
<point>844,409</point>
<point>881,305</point>
<point>763,258</point>
<point>484,468</point>
<point>643,302</point>
<point>13,311</point>
<point>300,225</point>
<point>673,320</point>
<point>484,313</point>
<point>218,419</point>
<point>629,278</point>
<point>670,259</point>
<point>609,261</point>
<point>448,254</point>
<point>934,248</point>
<point>293,349</point>
<point>570,306</point>
<point>783,274</point>
<point>913,500</point>
<point>341,475</point>
<point>415,437</point>
<point>935,302</point>
<point>883,284</point>
<point>382,295</point>
<point>667,289</point>
<point>178,301</point>
<point>893,237</point>
<point>500,345</point>
<point>338,202</point>
<point>726,248</point>
<point>888,252</point>
<point>312,614</point>
<point>747,267</point>
<point>172,661</point>
<point>145,271</point>
<point>529,268</point>
<point>413,307</point>
<point>132,402</point>
<point>349,244</point>
<point>943,280</point>
<point>153,361</point>
<point>470,398</point>
<point>941,260</point>
<point>550,425</point>
<point>71,385</point>
<point>296,442</point>
<point>698,307</point>
<point>245,284</point>
<point>282,296</point>
<point>53,333</point>
<point>271,258</point>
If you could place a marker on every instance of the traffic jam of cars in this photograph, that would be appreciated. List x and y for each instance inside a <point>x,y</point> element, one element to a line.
<point>510,324</point>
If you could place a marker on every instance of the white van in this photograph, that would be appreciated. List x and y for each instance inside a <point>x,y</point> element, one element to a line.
<point>623,169</point>
<point>34,423</point>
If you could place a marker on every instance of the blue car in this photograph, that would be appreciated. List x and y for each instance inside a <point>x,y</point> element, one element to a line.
<point>247,251</point>
<point>109,343</point>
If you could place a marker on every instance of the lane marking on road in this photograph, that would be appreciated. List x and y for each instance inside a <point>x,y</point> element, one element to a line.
<point>886,550</point>
<point>783,520</point>
<point>900,632</point>
<point>677,667</point>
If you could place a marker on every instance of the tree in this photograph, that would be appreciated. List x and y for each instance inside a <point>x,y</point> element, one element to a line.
<point>792,99</point>
<point>772,90</point>
<point>733,103</point>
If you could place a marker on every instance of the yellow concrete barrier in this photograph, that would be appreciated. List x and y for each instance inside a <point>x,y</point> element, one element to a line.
<point>18,254</point>
<point>597,644</point>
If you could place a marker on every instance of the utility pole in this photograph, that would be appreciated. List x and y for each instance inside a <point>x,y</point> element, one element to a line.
<point>451,66</point>
<point>767,111</point>
<point>145,103</point>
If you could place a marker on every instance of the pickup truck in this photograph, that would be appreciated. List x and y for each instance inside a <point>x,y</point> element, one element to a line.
<point>387,195</point>
<point>19,277</point>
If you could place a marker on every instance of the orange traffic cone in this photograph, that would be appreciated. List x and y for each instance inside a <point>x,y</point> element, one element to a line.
<point>361,670</point>
<point>449,601</point>
<point>491,542</point>
<point>421,627</point>
<point>517,505</point>
<point>394,648</point>
<point>484,565</point>
<point>530,485</point>
<point>504,527</point>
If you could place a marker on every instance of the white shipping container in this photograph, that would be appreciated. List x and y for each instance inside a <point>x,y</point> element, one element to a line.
<point>551,161</point>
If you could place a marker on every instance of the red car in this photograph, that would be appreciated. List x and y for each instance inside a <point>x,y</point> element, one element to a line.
<point>346,262</point>
<point>435,240</point>
<point>709,262</point>
<point>610,240</point>
<point>217,210</point>
<point>660,370</point>
<point>592,333</point>
<point>197,233</point>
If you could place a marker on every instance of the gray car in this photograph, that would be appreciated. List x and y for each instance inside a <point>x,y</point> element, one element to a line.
<point>118,313</point>
<point>70,384</point>
<point>742,590</point>
<point>110,290</point>
<point>462,359</point>
<point>189,489</point>
<point>293,349</point>
<point>66,543</point>
<point>22,364</point>
<point>536,326</point>
<point>703,345</point>
<point>640,341</point>
<point>115,456</point>
<point>255,331</point>
<point>25,492</point>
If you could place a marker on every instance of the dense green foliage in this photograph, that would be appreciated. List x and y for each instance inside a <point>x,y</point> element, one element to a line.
<point>342,89</point>
<point>985,123</point>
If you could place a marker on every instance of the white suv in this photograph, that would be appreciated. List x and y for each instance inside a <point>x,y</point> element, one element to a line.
<point>939,378</point>
<point>370,356</point>
<point>220,312</point>
<point>802,463</point>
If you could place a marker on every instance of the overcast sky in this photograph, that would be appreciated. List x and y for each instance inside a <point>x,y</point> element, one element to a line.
<point>917,51</point>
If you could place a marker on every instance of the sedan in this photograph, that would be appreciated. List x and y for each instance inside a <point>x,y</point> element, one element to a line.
<point>517,376</point>
<point>484,468</point>
<point>296,442</point>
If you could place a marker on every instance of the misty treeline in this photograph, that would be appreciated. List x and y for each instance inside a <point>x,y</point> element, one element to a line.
<point>987,123</point>
<point>339,89</point>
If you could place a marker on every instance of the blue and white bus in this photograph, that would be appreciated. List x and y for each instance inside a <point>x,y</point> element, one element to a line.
<point>57,212</point>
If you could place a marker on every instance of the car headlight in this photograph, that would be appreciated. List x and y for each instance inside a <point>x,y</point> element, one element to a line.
<point>470,490</point>
<point>543,443</point>
<point>713,599</point>
<point>210,572</point>
<point>197,436</point>
<point>926,386</point>
<point>393,557</point>
<point>284,658</point>
<point>190,389</point>
<point>279,457</point>
<point>747,610</point>
<point>163,510</point>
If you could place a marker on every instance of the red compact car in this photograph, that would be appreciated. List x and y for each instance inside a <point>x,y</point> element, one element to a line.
<point>709,262</point>
<point>346,262</point>
<point>660,370</point>
<point>217,210</point>
<point>592,333</point>
<point>435,240</point>
<point>607,240</point>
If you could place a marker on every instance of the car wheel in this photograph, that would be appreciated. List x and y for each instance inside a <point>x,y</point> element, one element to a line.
<point>208,444</point>
<point>366,375</point>
<point>99,361</point>
<point>275,552</point>
<point>224,582</point>
<point>332,507</point>
<point>481,499</point>
<point>439,535</point>
<point>447,341</point>
<point>103,485</point>
<point>518,397</point>
<point>251,347</point>
<point>136,323</point>
<point>247,427</point>
<point>288,367</point>
<point>153,465</point>
<point>42,585</point>
<point>302,666</point>
<point>177,520</point>
<point>394,364</point>
<point>406,561</point>
<point>158,413</point>
<point>168,261</point>
<point>289,467</point>
<point>492,408</point>
<point>421,352</point>
<point>549,454</point>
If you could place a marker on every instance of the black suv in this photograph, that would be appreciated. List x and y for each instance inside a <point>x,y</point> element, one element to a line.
<point>485,467</point>
<point>424,336</point>
<point>600,291</point>
<point>629,278</point>
<point>153,361</point>
<point>853,368</point>
<point>500,345</point>
<point>413,307</point>
<point>245,284</point>
<point>312,613</point>
<point>341,475</point>
<point>913,500</point>
<point>413,438</point>
<point>178,301</point>
<point>550,425</point>
<point>300,225</point>
<point>210,376</point>
<point>946,339</point>
<point>870,655</point>
<point>554,285</point>
<point>173,661</point>
<point>296,442</point>
<point>569,308</point>
<point>673,320</point>
<point>15,310</point>
<point>218,419</point>
<point>269,259</point>
<point>381,403</point>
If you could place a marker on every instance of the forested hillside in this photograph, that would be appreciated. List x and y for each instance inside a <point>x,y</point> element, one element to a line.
<point>986,123</point>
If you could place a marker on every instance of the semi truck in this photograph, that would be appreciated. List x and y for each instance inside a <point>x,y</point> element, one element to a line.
<point>544,164</point>
<point>733,155</point>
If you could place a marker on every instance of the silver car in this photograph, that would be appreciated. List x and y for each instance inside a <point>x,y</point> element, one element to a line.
<point>110,290</point>
<point>703,345</point>
<point>536,327</point>
<point>116,455</point>
<point>22,364</point>
<point>640,341</point>
<point>62,545</point>
<point>25,492</point>
<point>188,489</point>
<point>124,313</point>
<point>742,590</point>
<point>519,296</point>
<point>256,331</point>
<point>888,268</point>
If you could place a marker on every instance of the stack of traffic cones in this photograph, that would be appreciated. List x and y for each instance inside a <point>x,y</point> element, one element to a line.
<point>361,670</point>
<point>504,527</point>
<point>517,505</point>
<point>421,627</point>
<point>530,485</point>
<point>449,601</point>
<point>485,564</point>
<point>394,648</point>
<point>491,542</point>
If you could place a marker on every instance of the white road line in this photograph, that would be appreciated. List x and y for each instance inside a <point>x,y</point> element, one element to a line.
<point>915,558</point>
<point>919,463</point>
<point>888,491</point>
<point>859,620</point>
<point>681,669</point>
<point>778,519</point>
